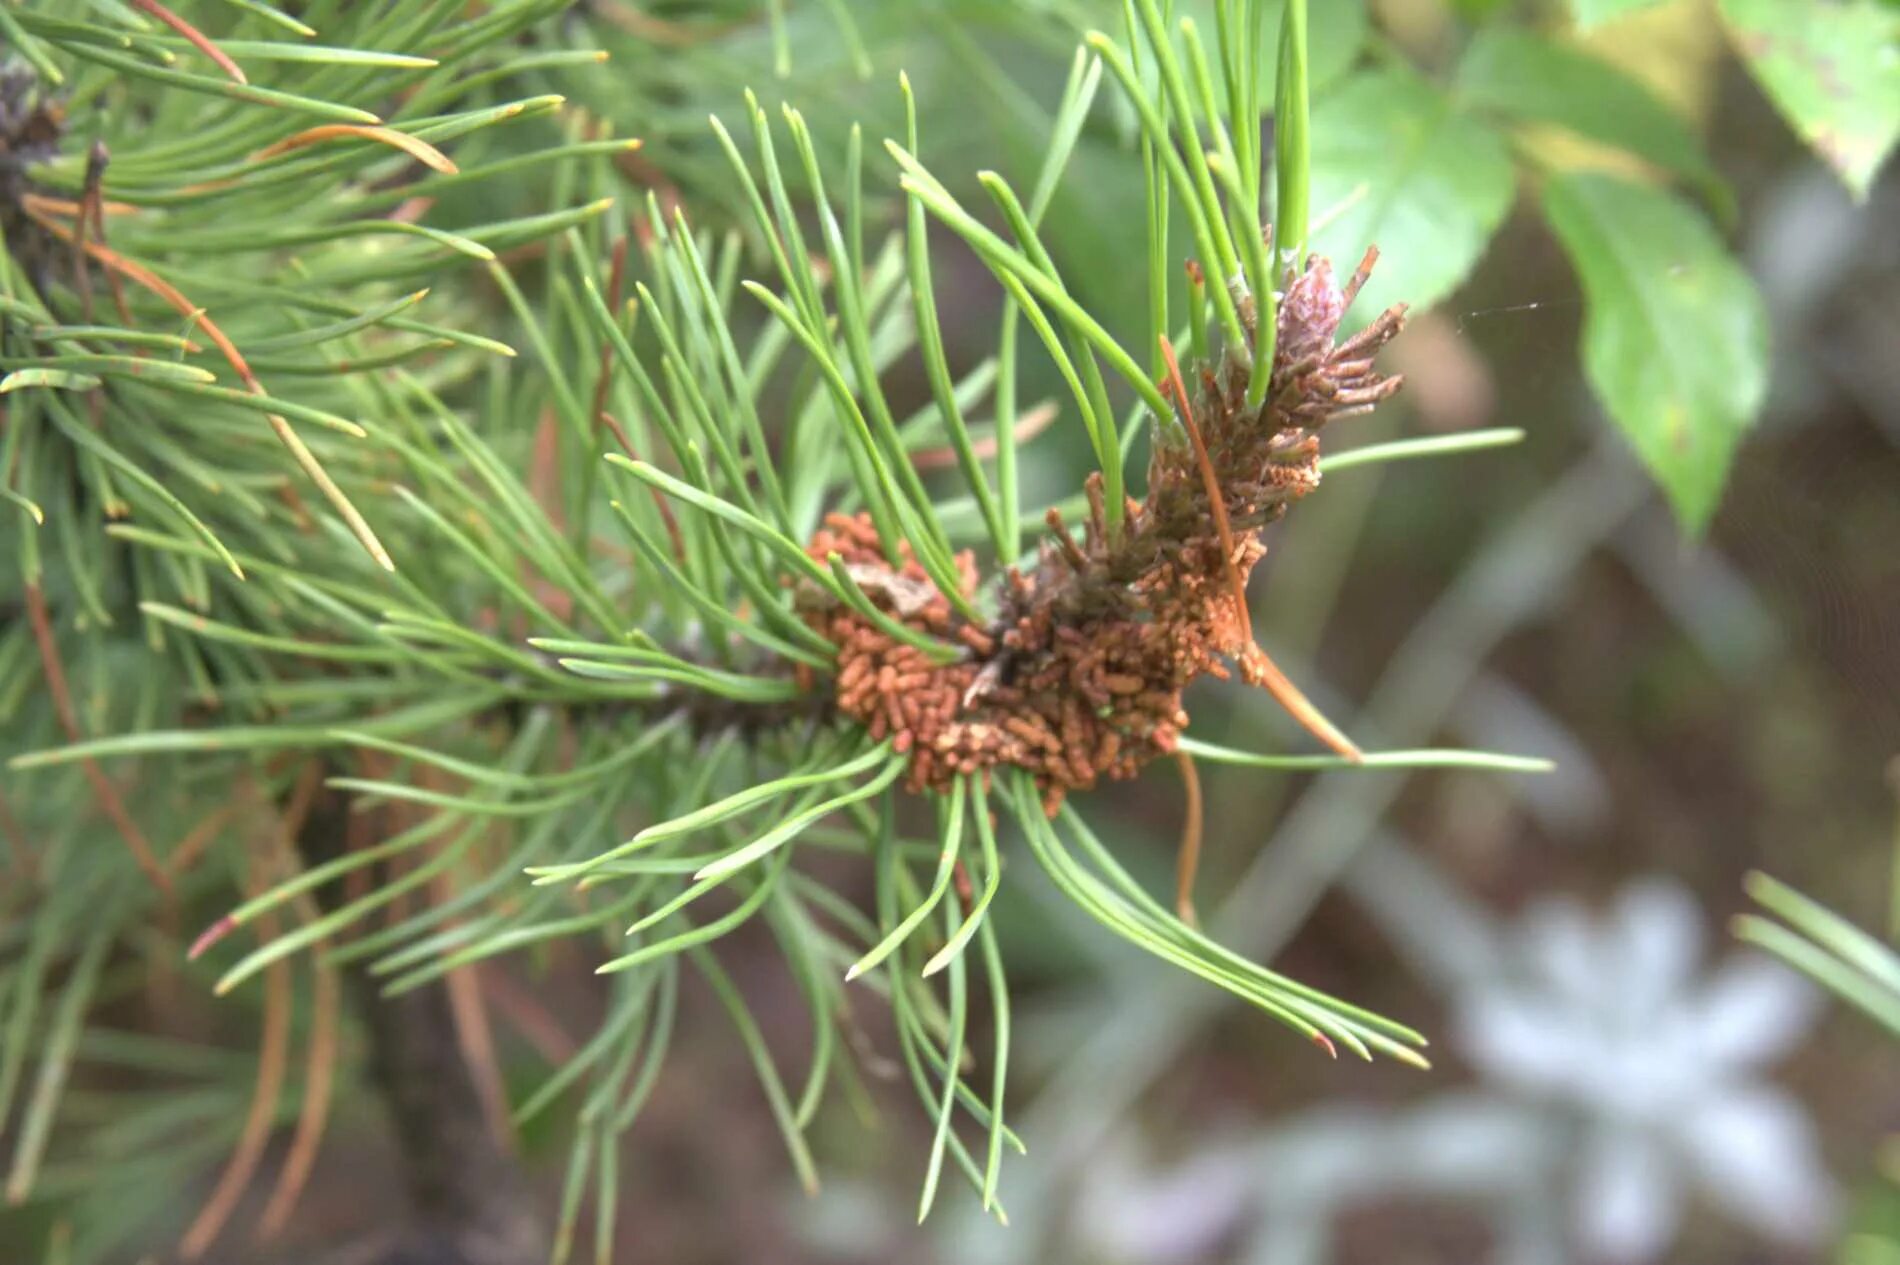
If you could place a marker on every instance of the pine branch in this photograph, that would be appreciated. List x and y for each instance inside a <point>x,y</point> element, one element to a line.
<point>730,645</point>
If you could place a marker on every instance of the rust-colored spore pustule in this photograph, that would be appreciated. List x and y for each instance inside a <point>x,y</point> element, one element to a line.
<point>1080,675</point>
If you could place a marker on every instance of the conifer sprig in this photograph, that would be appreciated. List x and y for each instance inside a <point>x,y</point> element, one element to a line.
<point>671,581</point>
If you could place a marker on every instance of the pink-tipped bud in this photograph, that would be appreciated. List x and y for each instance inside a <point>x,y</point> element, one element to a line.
<point>210,936</point>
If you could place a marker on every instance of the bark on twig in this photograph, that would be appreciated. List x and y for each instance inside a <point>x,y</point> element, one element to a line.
<point>473,1204</point>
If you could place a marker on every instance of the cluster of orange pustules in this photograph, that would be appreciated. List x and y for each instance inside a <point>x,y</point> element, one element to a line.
<point>1080,676</point>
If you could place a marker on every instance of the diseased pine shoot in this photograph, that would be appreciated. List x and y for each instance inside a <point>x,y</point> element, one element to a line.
<point>585,641</point>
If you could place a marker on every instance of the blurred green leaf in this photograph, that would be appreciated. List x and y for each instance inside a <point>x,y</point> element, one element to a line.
<point>1873,1236</point>
<point>1531,79</point>
<point>1832,67</point>
<point>1336,33</point>
<point>1397,164</point>
<point>1675,341</point>
<point>1591,12</point>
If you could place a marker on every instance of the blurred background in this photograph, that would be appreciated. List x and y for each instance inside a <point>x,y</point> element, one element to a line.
<point>1615,1077</point>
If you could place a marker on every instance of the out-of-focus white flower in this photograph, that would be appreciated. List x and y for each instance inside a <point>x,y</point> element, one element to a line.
<point>1134,1209</point>
<point>1608,1018</point>
<point>1274,1195</point>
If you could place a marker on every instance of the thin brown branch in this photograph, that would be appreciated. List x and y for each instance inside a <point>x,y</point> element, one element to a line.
<point>1265,673</point>
<point>660,501</point>
<point>603,372</point>
<point>1188,858</point>
<point>1027,427</point>
<point>411,210</point>
<point>544,472</point>
<point>531,1020</point>
<point>198,39</point>
<point>314,1113</point>
<point>414,146</point>
<point>476,1038</point>
<point>69,208</point>
<point>1217,504</point>
<point>663,32</point>
<point>109,802</point>
<point>272,1057</point>
<point>1255,663</point>
<point>82,216</point>
<point>23,863</point>
<point>200,837</point>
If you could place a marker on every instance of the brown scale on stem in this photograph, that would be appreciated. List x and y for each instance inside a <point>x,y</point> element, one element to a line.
<point>31,128</point>
<point>1080,675</point>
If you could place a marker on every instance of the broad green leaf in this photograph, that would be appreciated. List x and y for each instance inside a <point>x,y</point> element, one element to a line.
<point>1832,67</point>
<point>1591,12</point>
<point>1101,211</point>
<point>1336,33</point>
<point>1397,164</point>
<point>1675,341</point>
<point>1531,79</point>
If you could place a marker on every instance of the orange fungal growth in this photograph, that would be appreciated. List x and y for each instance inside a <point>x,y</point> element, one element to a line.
<point>1080,674</point>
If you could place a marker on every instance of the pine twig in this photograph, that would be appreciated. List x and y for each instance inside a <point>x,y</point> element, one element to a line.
<point>472,1203</point>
